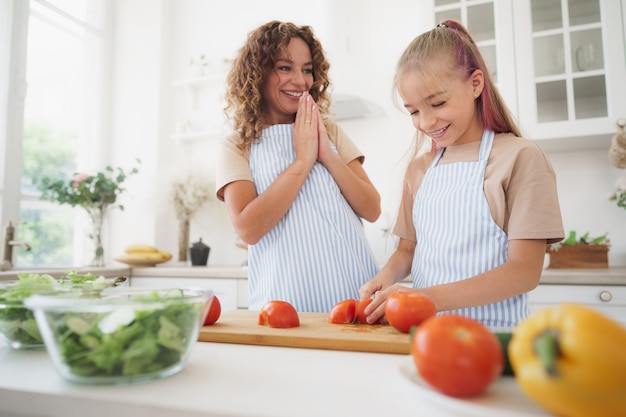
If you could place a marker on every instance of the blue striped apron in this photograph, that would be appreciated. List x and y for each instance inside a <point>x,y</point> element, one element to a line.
<point>317,254</point>
<point>457,237</point>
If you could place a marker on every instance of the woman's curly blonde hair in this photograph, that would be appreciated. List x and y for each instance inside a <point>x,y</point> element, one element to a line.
<point>251,68</point>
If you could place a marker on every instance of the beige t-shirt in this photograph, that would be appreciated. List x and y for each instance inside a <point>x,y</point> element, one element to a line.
<point>233,164</point>
<point>519,184</point>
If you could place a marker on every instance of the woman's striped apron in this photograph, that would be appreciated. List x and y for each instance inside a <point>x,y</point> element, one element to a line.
<point>457,237</point>
<point>317,254</point>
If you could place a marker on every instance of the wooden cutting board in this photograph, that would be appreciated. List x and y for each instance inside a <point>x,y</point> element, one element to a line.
<point>314,332</point>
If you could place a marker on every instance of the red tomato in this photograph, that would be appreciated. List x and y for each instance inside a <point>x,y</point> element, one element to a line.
<point>343,312</point>
<point>214,312</point>
<point>279,314</point>
<point>404,310</point>
<point>360,315</point>
<point>457,355</point>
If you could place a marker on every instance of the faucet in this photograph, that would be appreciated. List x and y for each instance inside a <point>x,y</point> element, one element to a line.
<point>9,242</point>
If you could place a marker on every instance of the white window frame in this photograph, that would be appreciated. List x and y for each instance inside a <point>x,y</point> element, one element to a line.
<point>14,21</point>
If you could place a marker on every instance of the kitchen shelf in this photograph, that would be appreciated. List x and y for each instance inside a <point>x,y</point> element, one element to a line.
<point>200,107</point>
<point>196,82</point>
<point>196,135</point>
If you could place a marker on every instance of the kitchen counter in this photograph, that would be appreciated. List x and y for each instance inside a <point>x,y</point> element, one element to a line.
<point>184,271</point>
<point>246,381</point>
<point>606,276</point>
<point>58,272</point>
<point>600,276</point>
<point>583,276</point>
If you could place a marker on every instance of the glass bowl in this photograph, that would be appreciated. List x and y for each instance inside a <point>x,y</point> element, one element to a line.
<point>119,335</point>
<point>18,327</point>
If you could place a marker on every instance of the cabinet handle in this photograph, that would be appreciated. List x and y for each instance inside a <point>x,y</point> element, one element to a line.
<point>606,296</point>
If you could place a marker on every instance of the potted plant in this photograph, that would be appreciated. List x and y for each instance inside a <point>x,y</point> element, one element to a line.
<point>96,193</point>
<point>580,252</point>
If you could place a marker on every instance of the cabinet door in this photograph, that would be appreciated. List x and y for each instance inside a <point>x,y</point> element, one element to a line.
<point>571,68</point>
<point>609,300</point>
<point>489,22</point>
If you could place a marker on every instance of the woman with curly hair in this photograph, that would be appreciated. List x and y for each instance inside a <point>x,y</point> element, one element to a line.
<point>292,180</point>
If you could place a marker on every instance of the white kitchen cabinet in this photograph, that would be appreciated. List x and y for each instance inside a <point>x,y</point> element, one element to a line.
<point>200,107</point>
<point>489,22</point>
<point>560,65</point>
<point>227,290</point>
<point>571,68</point>
<point>608,299</point>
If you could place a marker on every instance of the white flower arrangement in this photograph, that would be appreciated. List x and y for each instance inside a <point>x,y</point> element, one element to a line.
<point>189,192</point>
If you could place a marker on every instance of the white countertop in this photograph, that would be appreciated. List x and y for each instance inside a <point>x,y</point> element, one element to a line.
<point>584,276</point>
<point>606,276</point>
<point>111,271</point>
<point>239,380</point>
<point>600,276</point>
<point>176,270</point>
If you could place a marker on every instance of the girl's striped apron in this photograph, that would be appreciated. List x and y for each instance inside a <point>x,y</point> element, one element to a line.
<point>457,237</point>
<point>317,254</point>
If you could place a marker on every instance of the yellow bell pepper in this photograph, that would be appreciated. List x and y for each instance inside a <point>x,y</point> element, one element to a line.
<point>571,360</point>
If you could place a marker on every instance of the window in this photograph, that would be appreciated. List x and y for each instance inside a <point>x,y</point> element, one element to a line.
<point>62,112</point>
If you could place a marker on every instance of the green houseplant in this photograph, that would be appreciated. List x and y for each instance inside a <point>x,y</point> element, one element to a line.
<point>95,193</point>
<point>580,251</point>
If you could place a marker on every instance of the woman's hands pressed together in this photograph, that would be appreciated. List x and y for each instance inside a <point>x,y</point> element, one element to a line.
<point>305,130</point>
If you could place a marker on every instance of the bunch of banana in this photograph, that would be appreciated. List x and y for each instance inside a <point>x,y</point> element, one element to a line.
<point>140,252</point>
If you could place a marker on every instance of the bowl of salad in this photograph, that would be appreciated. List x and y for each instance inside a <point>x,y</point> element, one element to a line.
<point>119,335</point>
<point>18,327</point>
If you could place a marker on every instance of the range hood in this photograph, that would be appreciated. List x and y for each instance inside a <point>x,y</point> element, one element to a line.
<point>347,106</point>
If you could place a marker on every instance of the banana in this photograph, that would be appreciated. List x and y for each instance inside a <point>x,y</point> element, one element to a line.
<point>140,248</point>
<point>165,254</point>
<point>142,256</point>
<point>142,252</point>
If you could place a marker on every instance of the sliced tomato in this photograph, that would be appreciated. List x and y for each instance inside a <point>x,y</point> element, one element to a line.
<point>360,315</point>
<point>457,355</point>
<point>343,312</point>
<point>404,310</point>
<point>279,314</point>
<point>215,310</point>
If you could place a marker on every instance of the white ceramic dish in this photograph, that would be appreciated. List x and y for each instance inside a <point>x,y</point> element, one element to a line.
<point>502,398</point>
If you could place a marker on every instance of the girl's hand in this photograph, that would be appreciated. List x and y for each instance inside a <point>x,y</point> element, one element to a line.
<point>305,134</point>
<point>375,311</point>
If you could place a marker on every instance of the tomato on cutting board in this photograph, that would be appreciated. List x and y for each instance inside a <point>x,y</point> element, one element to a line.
<point>359,315</point>
<point>404,310</point>
<point>343,312</point>
<point>215,310</point>
<point>457,355</point>
<point>279,314</point>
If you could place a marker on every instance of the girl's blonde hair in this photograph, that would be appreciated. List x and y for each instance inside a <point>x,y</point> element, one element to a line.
<point>251,68</point>
<point>451,43</point>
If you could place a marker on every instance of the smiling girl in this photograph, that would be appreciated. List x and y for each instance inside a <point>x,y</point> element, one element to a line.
<point>292,180</point>
<point>478,210</point>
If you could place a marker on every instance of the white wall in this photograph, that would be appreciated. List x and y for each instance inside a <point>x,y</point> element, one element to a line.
<point>363,39</point>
